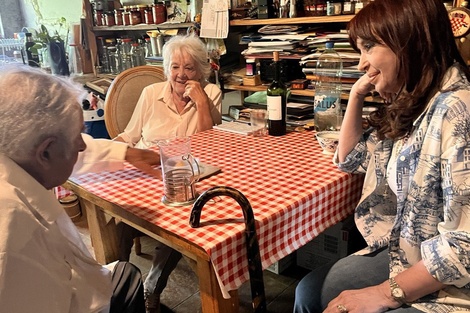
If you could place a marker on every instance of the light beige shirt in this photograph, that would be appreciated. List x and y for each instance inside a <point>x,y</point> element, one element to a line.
<point>44,265</point>
<point>155,116</point>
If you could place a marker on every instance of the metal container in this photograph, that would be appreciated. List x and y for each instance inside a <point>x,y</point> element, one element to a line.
<point>180,171</point>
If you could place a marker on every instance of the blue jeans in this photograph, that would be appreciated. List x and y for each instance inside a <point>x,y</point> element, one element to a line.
<point>319,287</point>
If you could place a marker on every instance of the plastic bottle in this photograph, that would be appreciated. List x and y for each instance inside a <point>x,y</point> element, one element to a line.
<point>327,101</point>
<point>277,101</point>
<point>31,52</point>
<point>75,61</point>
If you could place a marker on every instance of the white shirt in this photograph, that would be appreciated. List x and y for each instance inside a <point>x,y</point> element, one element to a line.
<point>44,265</point>
<point>155,116</point>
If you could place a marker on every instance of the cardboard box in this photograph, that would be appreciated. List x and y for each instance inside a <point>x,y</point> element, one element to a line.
<point>283,264</point>
<point>334,243</point>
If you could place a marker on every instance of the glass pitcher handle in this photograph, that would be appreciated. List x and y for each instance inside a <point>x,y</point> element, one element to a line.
<point>194,165</point>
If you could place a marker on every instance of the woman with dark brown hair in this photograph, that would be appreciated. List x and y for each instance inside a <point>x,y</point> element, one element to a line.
<point>413,213</point>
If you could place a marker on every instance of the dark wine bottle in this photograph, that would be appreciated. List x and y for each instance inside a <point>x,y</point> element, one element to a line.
<point>31,51</point>
<point>277,101</point>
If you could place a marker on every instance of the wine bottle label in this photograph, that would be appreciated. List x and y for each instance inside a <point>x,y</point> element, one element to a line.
<point>274,108</point>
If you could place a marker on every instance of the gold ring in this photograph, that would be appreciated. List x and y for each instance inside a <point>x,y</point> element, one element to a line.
<point>342,308</point>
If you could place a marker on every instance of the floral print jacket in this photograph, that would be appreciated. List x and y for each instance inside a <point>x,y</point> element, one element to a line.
<point>429,218</point>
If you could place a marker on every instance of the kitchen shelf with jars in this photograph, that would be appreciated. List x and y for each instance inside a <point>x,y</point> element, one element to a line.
<point>315,17</point>
<point>107,24</point>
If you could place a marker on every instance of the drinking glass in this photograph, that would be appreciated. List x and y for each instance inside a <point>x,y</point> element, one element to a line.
<point>258,120</point>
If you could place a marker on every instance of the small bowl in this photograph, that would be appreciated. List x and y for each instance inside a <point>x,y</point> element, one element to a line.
<point>328,140</point>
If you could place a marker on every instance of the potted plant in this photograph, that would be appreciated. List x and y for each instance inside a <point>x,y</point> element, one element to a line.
<point>53,45</point>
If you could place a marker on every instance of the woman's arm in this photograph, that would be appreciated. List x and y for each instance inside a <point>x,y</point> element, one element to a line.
<point>416,282</point>
<point>351,128</point>
<point>205,102</point>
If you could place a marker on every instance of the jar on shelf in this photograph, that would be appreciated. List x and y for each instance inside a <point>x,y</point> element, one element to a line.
<point>358,5</point>
<point>126,53</point>
<point>142,8</point>
<point>118,17</point>
<point>314,7</point>
<point>109,18</point>
<point>126,17</point>
<point>98,17</point>
<point>348,7</point>
<point>334,8</point>
<point>137,55</point>
<point>148,47</point>
<point>159,13</point>
<point>148,15</point>
<point>113,57</point>
<point>136,17</point>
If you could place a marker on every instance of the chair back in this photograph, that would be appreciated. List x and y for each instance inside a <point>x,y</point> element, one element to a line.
<point>123,94</point>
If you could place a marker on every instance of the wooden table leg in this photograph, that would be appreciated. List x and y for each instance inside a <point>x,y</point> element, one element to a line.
<point>211,296</point>
<point>102,233</point>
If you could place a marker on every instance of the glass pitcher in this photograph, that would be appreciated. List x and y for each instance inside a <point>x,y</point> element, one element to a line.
<point>180,171</point>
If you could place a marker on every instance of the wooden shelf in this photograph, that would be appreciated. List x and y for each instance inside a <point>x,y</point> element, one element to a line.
<point>297,20</point>
<point>141,27</point>
<point>305,92</point>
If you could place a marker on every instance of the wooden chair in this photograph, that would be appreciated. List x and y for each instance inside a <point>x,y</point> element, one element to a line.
<point>121,99</point>
<point>123,94</point>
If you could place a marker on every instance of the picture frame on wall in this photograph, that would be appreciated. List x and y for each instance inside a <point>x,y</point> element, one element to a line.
<point>177,11</point>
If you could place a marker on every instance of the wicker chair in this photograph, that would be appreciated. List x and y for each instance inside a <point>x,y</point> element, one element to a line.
<point>121,99</point>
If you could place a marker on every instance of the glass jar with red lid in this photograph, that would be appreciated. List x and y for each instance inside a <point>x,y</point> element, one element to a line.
<point>98,17</point>
<point>126,17</point>
<point>135,17</point>
<point>149,15</point>
<point>159,13</point>
<point>118,18</point>
<point>109,18</point>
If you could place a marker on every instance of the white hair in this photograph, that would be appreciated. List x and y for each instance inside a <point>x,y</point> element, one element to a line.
<point>33,106</point>
<point>192,45</point>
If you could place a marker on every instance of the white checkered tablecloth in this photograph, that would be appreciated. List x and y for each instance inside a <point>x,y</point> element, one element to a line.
<point>295,192</point>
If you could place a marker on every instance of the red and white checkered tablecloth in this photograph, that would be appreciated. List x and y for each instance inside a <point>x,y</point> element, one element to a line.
<point>295,192</point>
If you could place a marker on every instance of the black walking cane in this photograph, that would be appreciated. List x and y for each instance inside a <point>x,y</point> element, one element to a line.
<point>254,259</point>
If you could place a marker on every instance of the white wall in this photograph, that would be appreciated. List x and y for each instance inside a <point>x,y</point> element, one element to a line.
<point>36,12</point>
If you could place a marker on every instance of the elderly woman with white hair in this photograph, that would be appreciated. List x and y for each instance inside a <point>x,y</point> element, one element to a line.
<point>183,105</point>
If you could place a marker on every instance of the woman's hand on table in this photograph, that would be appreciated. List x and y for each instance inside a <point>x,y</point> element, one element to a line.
<point>145,160</point>
<point>374,299</point>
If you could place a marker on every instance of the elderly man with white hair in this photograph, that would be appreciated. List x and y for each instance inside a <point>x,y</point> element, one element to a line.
<point>44,265</point>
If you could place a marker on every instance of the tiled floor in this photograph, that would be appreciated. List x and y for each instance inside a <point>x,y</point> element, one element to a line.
<point>182,295</point>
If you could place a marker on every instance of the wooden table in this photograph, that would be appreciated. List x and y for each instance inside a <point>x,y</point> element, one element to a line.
<point>295,191</point>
